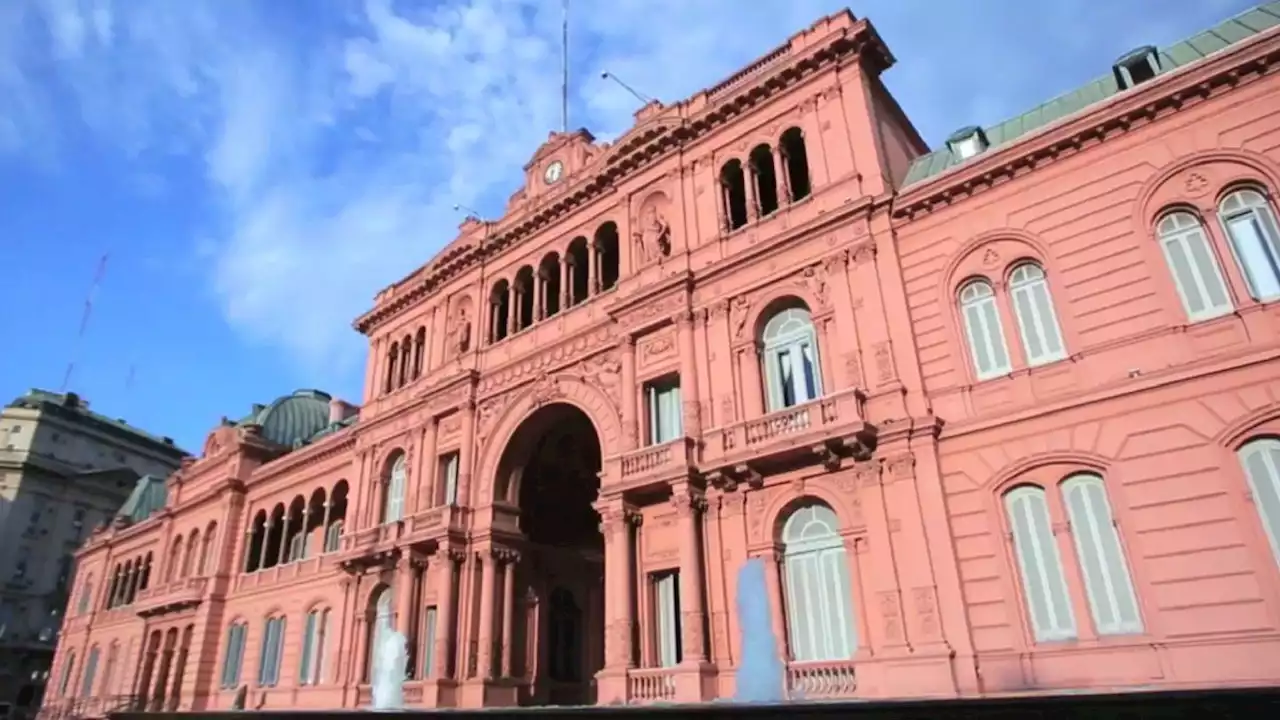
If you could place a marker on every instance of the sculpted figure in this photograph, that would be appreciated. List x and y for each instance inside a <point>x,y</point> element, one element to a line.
<point>461,332</point>
<point>654,237</point>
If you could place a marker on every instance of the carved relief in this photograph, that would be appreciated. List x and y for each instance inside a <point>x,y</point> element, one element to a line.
<point>605,372</point>
<point>450,426</point>
<point>652,236</point>
<point>926,611</point>
<point>884,363</point>
<point>545,389</point>
<point>1195,184</point>
<point>487,415</point>
<point>659,347</point>
<point>739,310</point>
<point>889,615</point>
<point>756,505</point>
<point>550,358</point>
<point>692,632</point>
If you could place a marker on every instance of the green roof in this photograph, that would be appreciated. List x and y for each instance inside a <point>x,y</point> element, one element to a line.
<point>1193,49</point>
<point>297,419</point>
<point>71,403</point>
<point>147,498</point>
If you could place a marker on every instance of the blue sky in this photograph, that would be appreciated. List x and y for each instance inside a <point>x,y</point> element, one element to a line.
<point>258,169</point>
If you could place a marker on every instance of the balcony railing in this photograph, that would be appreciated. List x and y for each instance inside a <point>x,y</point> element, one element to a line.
<point>649,685</point>
<point>836,417</point>
<point>675,457</point>
<point>91,707</point>
<point>821,680</point>
<point>183,592</point>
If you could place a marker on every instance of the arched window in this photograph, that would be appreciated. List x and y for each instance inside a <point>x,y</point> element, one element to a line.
<point>1261,461</point>
<point>314,638</point>
<point>272,652</point>
<point>1040,566</point>
<point>983,329</point>
<point>64,684</point>
<point>1041,336</point>
<point>333,536</point>
<point>233,656</point>
<point>109,669</point>
<point>90,672</point>
<point>820,620</point>
<point>378,630</point>
<point>1251,226</point>
<point>393,507</point>
<point>1107,583</point>
<point>86,595</point>
<point>1195,270</point>
<point>791,369</point>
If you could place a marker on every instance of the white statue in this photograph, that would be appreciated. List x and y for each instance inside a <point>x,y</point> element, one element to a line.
<point>389,671</point>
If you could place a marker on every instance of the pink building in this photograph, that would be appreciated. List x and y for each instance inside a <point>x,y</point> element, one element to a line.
<point>1002,417</point>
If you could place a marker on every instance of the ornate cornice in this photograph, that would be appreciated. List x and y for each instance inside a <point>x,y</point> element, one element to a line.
<point>1112,118</point>
<point>671,131</point>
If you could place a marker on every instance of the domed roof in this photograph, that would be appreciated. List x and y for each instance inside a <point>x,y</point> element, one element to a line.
<point>293,419</point>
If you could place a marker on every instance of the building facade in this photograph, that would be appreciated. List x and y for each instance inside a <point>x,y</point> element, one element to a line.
<point>64,469</point>
<point>1000,417</point>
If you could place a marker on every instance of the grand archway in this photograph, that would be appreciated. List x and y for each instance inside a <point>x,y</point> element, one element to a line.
<point>549,475</point>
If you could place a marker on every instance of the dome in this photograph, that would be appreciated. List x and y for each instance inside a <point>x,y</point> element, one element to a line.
<point>293,419</point>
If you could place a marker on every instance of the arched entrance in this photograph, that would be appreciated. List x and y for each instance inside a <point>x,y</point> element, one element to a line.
<point>549,475</point>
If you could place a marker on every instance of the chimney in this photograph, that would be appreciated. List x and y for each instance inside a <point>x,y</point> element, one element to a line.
<point>340,410</point>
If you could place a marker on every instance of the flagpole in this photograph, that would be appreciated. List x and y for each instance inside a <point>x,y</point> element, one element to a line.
<point>564,68</point>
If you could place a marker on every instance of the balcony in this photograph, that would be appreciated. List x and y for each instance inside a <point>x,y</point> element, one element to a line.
<point>831,427</point>
<point>821,680</point>
<point>658,463</point>
<point>171,597</point>
<point>375,544</point>
<point>306,567</point>
<point>651,685</point>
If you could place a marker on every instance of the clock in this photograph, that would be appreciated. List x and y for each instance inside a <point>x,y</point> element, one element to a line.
<point>554,172</point>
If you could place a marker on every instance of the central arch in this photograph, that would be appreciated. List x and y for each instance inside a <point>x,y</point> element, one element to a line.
<point>549,476</point>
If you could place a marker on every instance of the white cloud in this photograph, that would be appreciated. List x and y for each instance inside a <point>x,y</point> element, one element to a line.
<point>336,145</point>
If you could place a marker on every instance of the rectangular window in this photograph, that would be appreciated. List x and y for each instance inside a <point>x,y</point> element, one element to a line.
<point>308,646</point>
<point>792,375</point>
<point>666,608</point>
<point>272,644</point>
<point>428,643</point>
<point>86,592</point>
<point>448,478</point>
<point>663,399</point>
<point>298,547</point>
<point>67,669</point>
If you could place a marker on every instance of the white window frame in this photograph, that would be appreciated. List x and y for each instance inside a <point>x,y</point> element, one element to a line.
<point>980,314</point>
<point>792,361</point>
<point>1040,567</point>
<point>1185,232</point>
<point>393,508</point>
<point>820,619</point>
<point>429,619</point>
<point>1259,256</point>
<point>233,658</point>
<point>666,608</point>
<point>90,672</point>
<point>1260,460</point>
<point>314,637</point>
<point>663,398</point>
<point>1032,302</point>
<point>272,652</point>
<point>449,467</point>
<point>1108,584</point>
<point>333,536</point>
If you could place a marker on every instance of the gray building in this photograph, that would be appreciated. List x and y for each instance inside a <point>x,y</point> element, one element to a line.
<point>64,469</point>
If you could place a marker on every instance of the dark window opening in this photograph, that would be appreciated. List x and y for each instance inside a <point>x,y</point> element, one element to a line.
<point>733,188</point>
<point>796,161</point>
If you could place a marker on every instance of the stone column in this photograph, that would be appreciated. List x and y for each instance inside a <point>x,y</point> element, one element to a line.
<point>540,309</point>
<point>465,449</point>
<point>749,184</point>
<point>284,540</point>
<point>781,180</point>
<point>616,526</point>
<point>690,503</point>
<point>494,320</point>
<point>773,581</point>
<point>487,559</point>
<point>692,418</point>
<point>266,535</point>
<point>849,346</point>
<point>513,311</point>
<point>509,560</point>
<point>630,422</point>
<point>444,618</point>
<point>403,596</point>
<point>593,270</point>
<point>566,281</point>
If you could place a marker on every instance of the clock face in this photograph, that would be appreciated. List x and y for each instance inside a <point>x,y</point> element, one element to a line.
<point>553,172</point>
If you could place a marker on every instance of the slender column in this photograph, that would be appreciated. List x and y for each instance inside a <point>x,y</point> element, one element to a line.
<point>487,561</point>
<point>444,618</point>
<point>749,184</point>
<point>266,535</point>
<point>284,540</point>
<point>540,310</point>
<point>494,320</point>
<point>849,343</point>
<point>566,282</point>
<point>689,506</point>
<point>630,423</point>
<point>513,310</point>
<point>324,524</point>
<point>510,558</point>
<point>593,270</point>
<point>726,222</point>
<point>780,176</point>
<point>688,375</point>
